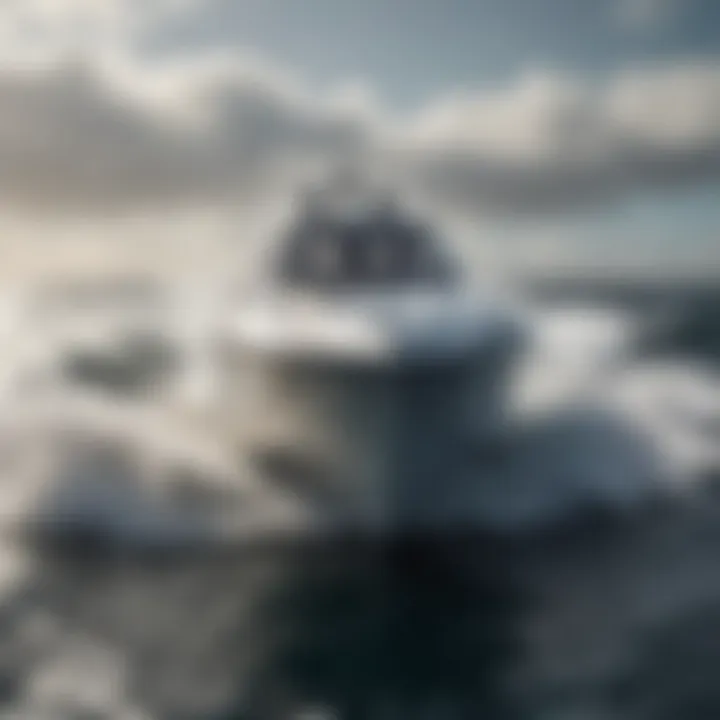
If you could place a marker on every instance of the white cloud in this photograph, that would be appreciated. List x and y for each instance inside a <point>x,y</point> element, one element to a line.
<point>29,27</point>
<point>555,143</point>
<point>117,132</point>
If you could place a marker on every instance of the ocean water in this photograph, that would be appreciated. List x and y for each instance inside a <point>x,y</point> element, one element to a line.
<point>138,580</point>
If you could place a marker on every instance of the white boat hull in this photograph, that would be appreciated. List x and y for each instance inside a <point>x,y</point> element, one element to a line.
<point>383,425</point>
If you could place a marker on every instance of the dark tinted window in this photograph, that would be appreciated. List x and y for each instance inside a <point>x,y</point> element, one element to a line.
<point>365,253</point>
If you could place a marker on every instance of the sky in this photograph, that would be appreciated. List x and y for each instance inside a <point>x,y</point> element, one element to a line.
<point>555,135</point>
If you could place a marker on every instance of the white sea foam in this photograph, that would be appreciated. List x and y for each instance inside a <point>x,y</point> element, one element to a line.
<point>597,426</point>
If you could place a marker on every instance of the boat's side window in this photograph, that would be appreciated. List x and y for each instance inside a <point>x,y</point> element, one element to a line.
<point>407,254</point>
<point>324,260</point>
<point>380,256</point>
<point>377,254</point>
<point>311,257</point>
<point>356,266</point>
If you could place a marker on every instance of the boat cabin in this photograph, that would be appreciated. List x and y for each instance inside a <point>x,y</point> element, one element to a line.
<point>378,250</point>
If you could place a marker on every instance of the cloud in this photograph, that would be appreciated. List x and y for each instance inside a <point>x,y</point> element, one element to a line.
<point>59,15</point>
<point>118,133</point>
<point>29,27</point>
<point>552,143</point>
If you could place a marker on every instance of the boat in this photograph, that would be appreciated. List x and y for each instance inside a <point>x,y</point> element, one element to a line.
<point>364,367</point>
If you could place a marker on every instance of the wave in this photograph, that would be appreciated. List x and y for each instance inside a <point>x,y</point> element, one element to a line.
<point>594,427</point>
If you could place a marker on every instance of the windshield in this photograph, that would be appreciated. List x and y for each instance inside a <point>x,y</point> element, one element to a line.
<point>365,253</point>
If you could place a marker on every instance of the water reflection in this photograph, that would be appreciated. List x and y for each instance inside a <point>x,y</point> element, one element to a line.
<point>370,629</point>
